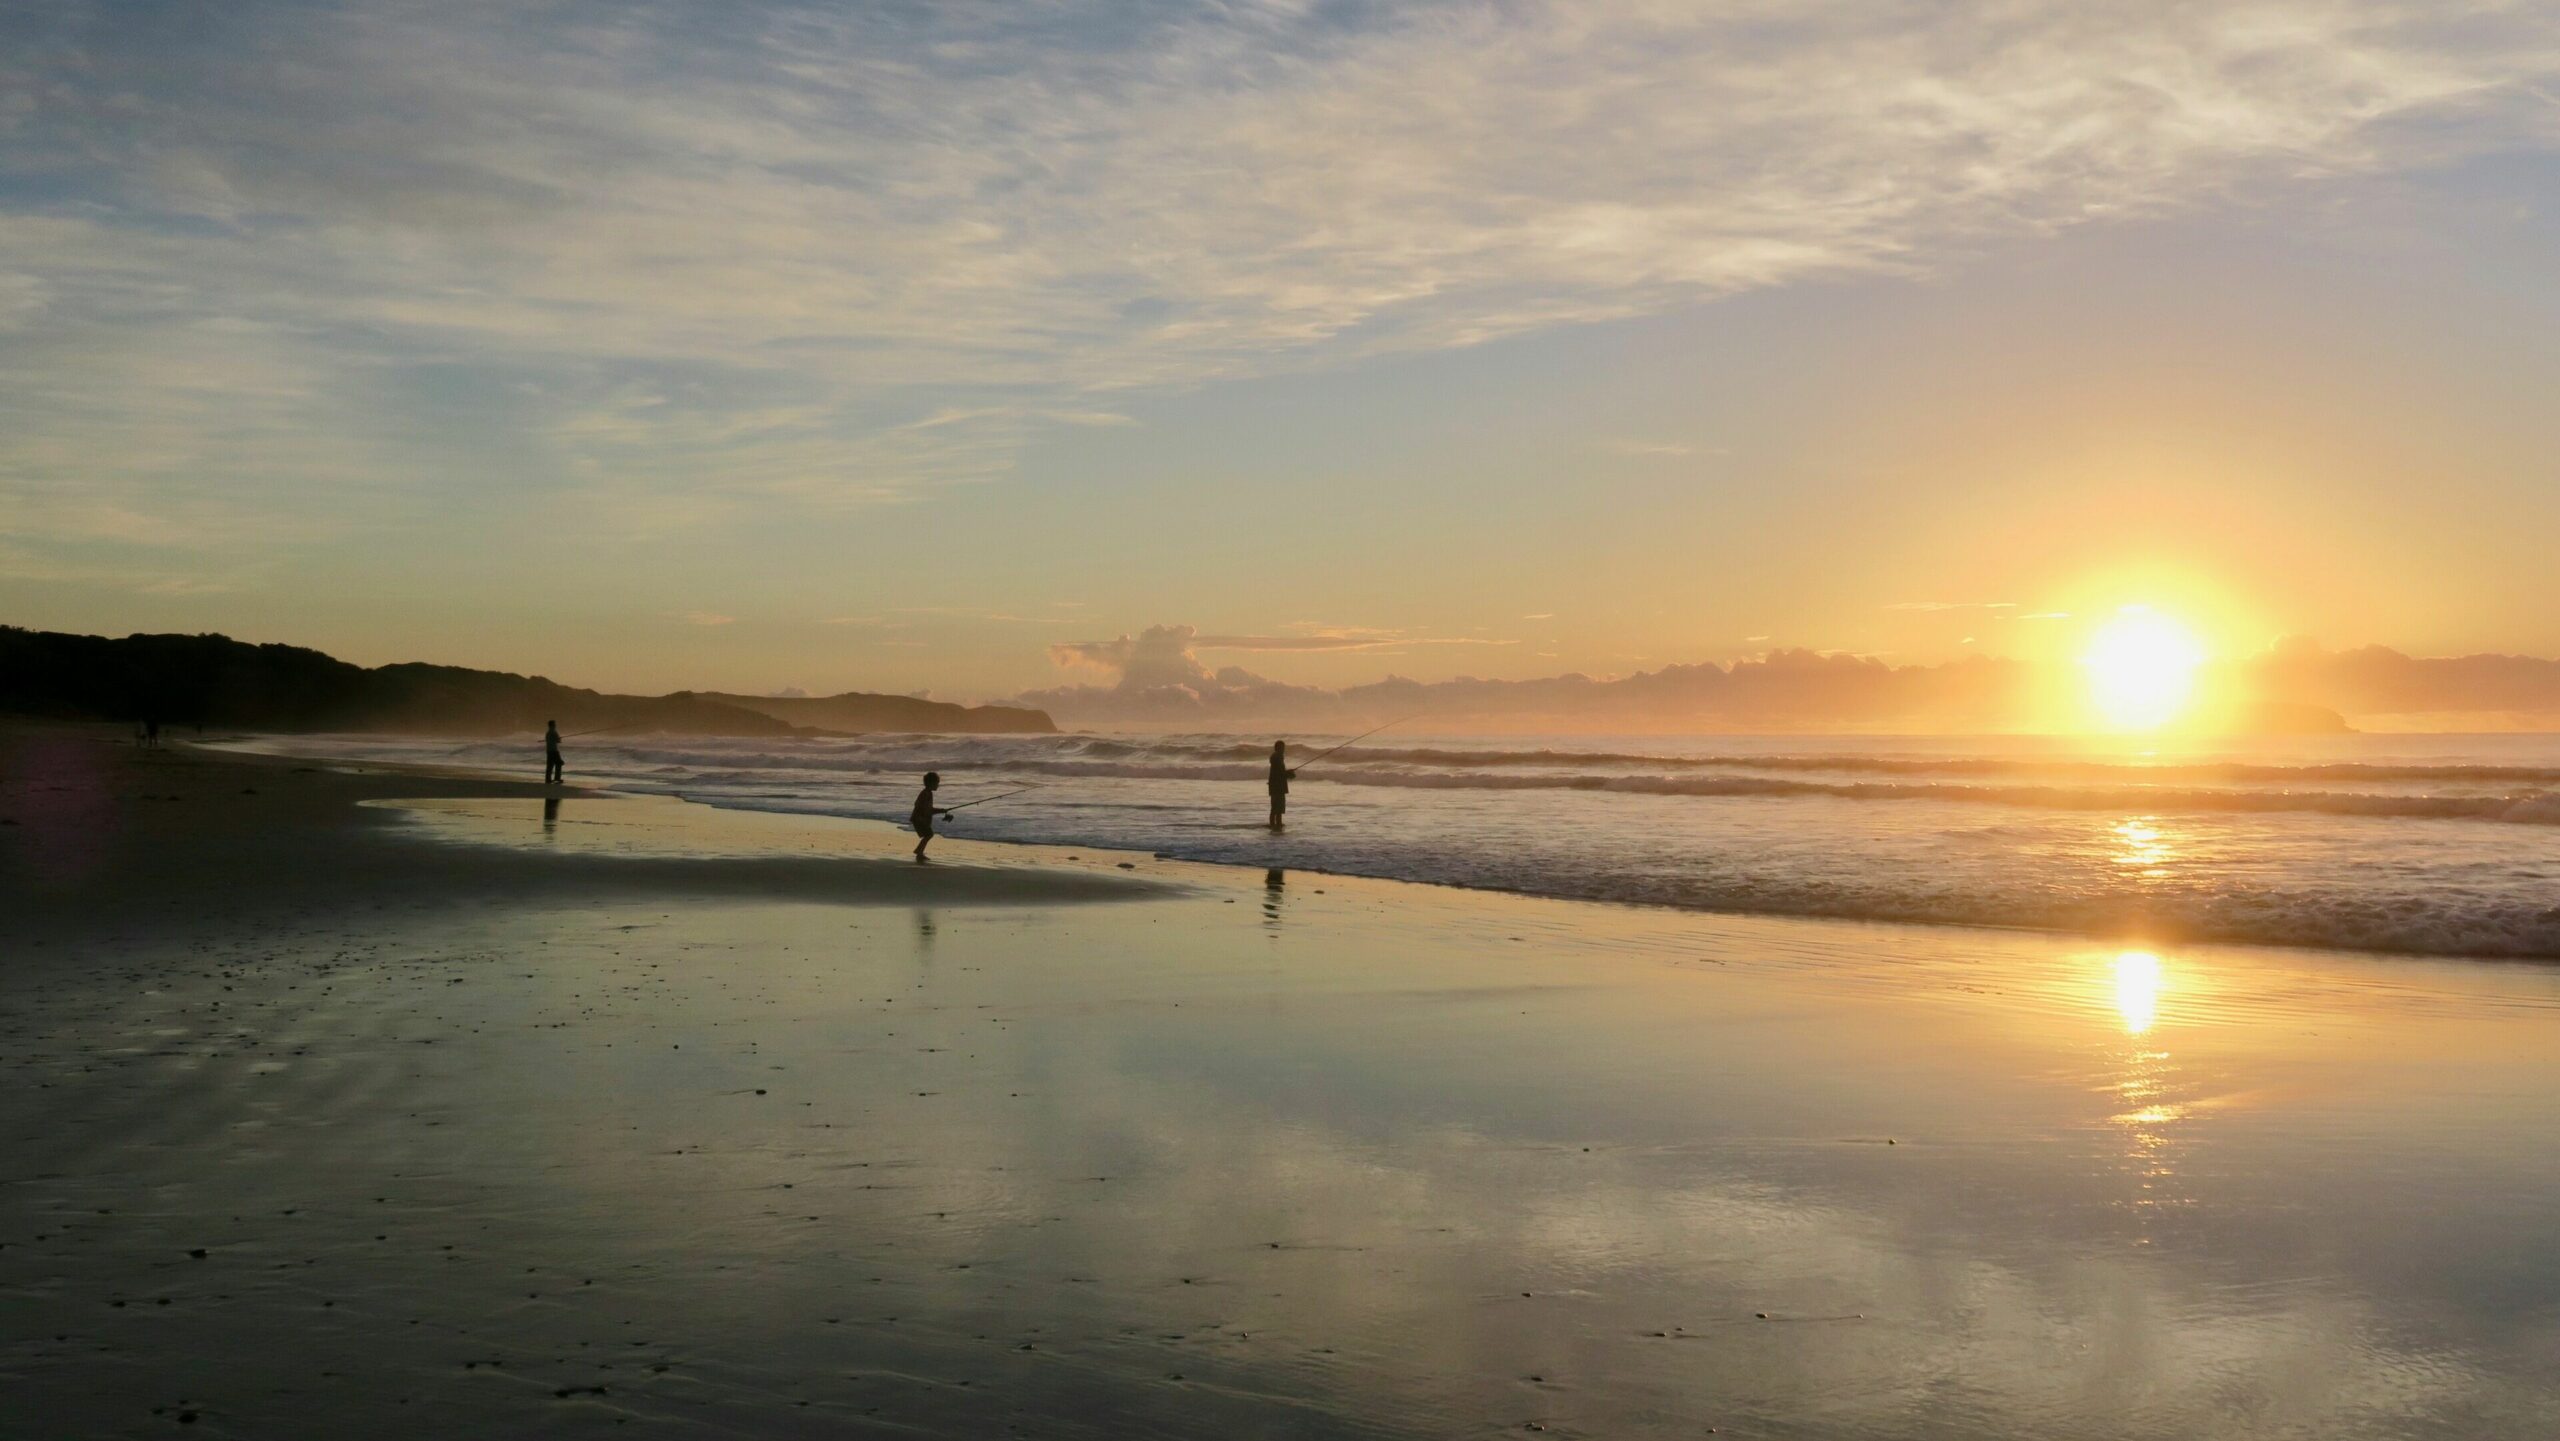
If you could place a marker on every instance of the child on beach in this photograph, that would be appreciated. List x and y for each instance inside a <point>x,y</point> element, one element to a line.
<point>922,816</point>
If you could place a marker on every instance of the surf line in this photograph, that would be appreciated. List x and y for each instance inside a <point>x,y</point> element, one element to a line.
<point>573,735</point>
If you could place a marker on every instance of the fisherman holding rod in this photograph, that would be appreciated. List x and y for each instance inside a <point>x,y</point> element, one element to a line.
<point>922,817</point>
<point>1282,772</point>
<point>552,772</point>
<point>1281,775</point>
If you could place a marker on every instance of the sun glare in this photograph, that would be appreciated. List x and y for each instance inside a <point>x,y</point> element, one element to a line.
<point>2137,978</point>
<point>2142,669</point>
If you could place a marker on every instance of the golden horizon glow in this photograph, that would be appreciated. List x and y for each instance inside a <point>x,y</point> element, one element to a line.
<point>2141,668</point>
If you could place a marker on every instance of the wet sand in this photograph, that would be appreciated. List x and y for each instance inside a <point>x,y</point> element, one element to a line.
<point>387,1105</point>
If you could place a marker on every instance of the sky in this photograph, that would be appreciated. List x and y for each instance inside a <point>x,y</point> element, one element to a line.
<point>947,347</point>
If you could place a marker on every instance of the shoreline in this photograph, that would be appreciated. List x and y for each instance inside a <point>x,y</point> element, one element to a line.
<point>233,832</point>
<point>335,1113</point>
<point>2155,931</point>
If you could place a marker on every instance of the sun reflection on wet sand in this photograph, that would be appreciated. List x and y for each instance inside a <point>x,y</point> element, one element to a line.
<point>2137,976</point>
<point>2145,1090</point>
<point>1415,1163</point>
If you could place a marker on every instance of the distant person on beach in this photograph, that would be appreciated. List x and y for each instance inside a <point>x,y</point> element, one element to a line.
<point>150,734</point>
<point>553,773</point>
<point>1281,775</point>
<point>922,816</point>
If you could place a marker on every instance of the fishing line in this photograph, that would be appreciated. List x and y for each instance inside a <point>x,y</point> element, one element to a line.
<point>1355,740</point>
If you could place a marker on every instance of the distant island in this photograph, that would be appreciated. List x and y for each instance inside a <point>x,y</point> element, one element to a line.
<point>213,680</point>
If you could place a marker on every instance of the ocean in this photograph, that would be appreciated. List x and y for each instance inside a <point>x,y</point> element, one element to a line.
<point>2422,844</point>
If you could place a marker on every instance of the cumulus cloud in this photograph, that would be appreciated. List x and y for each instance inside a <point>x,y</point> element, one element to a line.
<point>693,260</point>
<point>1157,677</point>
<point>1165,654</point>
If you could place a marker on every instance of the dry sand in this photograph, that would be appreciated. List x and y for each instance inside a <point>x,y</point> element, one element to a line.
<point>371,1104</point>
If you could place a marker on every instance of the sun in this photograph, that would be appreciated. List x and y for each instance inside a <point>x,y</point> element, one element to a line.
<point>2142,669</point>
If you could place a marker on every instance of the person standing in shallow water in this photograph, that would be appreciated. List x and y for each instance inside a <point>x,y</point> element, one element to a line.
<point>922,816</point>
<point>1281,775</point>
<point>552,771</point>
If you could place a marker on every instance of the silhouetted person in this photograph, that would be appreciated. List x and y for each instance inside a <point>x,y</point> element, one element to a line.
<point>150,733</point>
<point>553,773</point>
<point>922,816</point>
<point>1281,775</point>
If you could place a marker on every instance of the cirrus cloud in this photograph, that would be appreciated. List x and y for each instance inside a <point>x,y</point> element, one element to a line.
<point>690,261</point>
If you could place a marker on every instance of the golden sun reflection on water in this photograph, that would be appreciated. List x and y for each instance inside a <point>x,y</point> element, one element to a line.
<point>2143,846</point>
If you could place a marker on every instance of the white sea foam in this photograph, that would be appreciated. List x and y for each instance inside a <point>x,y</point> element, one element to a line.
<point>2444,845</point>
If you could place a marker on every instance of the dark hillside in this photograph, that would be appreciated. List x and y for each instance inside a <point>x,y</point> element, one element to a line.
<point>214,680</point>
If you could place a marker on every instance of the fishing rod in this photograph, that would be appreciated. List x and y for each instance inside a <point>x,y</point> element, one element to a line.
<point>1355,740</point>
<point>982,800</point>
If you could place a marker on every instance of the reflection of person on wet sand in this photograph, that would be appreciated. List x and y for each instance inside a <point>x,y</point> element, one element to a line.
<point>922,816</point>
<point>1274,884</point>
<point>1281,775</point>
<point>550,814</point>
<point>552,771</point>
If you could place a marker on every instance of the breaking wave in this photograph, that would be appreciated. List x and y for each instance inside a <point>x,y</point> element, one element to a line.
<point>2504,794</point>
<point>2450,850</point>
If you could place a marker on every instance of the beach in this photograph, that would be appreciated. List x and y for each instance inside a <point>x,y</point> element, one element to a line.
<point>347,1099</point>
<point>2408,844</point>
